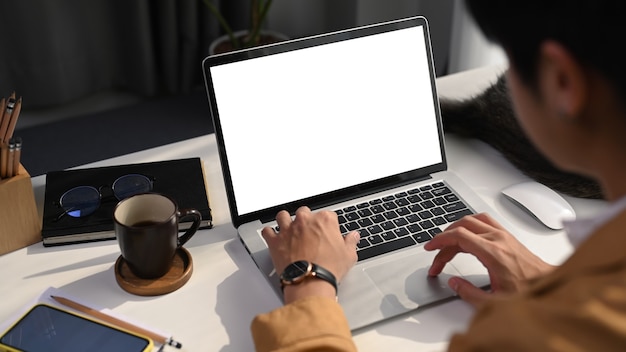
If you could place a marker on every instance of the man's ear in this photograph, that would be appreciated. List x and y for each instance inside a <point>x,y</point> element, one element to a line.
<point>562,80</point>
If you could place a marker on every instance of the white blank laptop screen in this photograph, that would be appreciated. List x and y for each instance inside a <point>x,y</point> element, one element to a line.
<point>316,120</point>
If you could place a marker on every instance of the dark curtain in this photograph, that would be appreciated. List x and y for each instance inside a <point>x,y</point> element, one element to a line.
<point>56,51</point>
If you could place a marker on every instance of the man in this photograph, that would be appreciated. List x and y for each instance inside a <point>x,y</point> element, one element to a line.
<point>568,85</point>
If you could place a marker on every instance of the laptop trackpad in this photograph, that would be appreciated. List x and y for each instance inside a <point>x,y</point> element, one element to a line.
<point>405,282</point>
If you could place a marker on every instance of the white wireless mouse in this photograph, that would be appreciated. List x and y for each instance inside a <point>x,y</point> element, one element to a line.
<point>541,202</point>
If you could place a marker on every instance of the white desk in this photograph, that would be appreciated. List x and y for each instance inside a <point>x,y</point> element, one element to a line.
<point>213,311</point>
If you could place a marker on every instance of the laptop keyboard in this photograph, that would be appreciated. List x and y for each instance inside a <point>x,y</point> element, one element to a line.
<point>403,219</point>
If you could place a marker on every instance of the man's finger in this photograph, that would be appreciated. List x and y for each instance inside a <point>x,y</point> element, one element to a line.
<point>283,219</point>
<point>441,259</point>
<point>468,292</point>
<point>351,239</point>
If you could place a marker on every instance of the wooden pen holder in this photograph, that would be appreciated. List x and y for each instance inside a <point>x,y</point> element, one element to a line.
<point>20,225</point>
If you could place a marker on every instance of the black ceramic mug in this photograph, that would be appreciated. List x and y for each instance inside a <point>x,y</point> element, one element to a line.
<point>146,226</point>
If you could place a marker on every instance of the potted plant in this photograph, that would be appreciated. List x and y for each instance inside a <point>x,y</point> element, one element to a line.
<point>253,36</point>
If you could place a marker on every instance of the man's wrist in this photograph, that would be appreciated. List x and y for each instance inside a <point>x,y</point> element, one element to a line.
<point>309,288</point>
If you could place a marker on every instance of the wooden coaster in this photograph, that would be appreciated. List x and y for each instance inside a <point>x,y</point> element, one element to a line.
<point>179,274</point>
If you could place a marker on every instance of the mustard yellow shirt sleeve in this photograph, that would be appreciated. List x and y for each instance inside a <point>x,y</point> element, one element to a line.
<point>310,324</point>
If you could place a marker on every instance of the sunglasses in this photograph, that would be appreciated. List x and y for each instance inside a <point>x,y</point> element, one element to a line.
<point>85,200</point>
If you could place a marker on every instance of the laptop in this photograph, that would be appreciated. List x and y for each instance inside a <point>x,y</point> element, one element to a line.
<point>347,121</point>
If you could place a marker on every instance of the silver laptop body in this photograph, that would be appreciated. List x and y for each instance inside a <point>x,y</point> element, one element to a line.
<point>332,122</point>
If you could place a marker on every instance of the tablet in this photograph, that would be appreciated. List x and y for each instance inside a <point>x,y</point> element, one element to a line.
<point>48,328</point>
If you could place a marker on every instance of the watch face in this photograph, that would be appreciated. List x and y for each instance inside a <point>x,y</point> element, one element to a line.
<point>296,270</point>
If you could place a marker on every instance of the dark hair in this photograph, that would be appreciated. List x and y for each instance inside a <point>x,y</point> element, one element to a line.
<point>591,30</point>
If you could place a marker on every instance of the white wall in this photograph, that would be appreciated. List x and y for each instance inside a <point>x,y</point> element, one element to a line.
<point>468,46</point>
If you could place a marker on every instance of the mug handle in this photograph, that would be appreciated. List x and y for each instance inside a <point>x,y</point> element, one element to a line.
<point>194,226</point>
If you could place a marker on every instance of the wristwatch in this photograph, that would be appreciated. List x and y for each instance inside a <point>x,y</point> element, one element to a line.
<point>297,272</point>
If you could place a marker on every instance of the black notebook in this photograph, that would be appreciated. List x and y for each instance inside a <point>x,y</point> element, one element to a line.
<point>182,180</point>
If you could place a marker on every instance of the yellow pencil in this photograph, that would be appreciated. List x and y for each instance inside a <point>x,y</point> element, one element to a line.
<point>4,158</point>
<point>114,321</point>
<point>6,117</point>
<point>13,121</point>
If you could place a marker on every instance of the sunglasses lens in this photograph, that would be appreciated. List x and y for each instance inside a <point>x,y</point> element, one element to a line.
<point>131,184</point>
<point>80,201</point>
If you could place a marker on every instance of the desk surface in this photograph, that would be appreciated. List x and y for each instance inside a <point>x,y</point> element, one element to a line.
<point>213,311</point>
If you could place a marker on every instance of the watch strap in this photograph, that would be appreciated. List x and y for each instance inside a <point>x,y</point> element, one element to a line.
<point>314,270</point>
<point>321,273</point>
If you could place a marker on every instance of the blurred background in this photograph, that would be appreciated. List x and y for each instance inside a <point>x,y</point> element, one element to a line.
<point>73,58</point>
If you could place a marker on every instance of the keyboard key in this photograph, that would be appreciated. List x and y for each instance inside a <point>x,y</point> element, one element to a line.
<point>351,226</point>
<point>427,204</point>
<point>421,237</point>
<point>437,211</point>
<point>451,197</point>
<point>353,216</point>
<point>414,228</point>
<point>377,209</point>
<point>442,191</point>
<point>378,218</point>
<point>364,233</point>
<point>362,205</point>
<point>450,208</point>
<point>365,222</point>
<point>385,247</point>
<point>434,232</point>
<point>458,215</point>
<point>414,199</point>
<point>400,195</point>
<point>425,214</point>
<point>388,236</point>
<point>375,239</point>
<point>349,209</point>
<point>403,211</point>
<point>401,232</point>
<point>400,222</point>
<point>390,215</point>
<point>413,218</point>
<point>375,201</point>
<point>342,219</point>
<point>438,184</point>
<point>440,201</point>
<point>390,205</point>
<point>339,211</point>
<point>374,229</point>
<point>426,188</point>
<point>363,243</point>
<point>401,202</point>
<point>414,208</point>
<point>388,198</point>
<point>439,221</point>
<point>426,195</point>
<point>388,225</point>
<point>364,212</point>
<point>427,224</point>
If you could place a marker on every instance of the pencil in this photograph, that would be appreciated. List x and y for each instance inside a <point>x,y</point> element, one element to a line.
<point>17,155</point>
<point>3,105</point>
<point>4,157</point>
<point>114,321</point>
<point>6,117</point>
<point>13,120</point>
<point>9,160</point>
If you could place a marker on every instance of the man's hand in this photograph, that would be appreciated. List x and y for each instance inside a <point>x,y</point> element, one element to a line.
<point>509,263</point>
<point>313,237</point>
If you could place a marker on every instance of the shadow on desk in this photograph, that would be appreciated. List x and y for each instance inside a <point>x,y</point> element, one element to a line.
<point>235,306</point>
